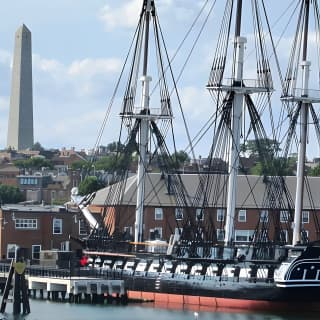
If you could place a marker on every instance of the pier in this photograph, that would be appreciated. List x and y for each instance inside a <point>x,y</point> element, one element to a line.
<point>77,290</point>
<point>75,286</point>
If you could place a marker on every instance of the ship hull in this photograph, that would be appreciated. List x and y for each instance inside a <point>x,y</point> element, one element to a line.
<point>211,294</point>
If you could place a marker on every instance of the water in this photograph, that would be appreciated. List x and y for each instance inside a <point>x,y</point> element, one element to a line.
<point>46,310</point>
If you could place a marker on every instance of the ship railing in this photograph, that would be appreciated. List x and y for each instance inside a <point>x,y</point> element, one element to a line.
<point>256,85</point>
<point>139,112</point>
<point>298,94</point>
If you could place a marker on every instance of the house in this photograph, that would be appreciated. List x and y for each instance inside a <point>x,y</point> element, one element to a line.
<point>35,228</point>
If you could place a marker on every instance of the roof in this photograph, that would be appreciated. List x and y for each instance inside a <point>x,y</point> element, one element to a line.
<point>32,208</point>
<point>156,192</point>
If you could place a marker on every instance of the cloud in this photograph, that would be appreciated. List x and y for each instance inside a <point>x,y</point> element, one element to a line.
<point>125,16</point>
<point>91,67</point>
<point>5,57</point>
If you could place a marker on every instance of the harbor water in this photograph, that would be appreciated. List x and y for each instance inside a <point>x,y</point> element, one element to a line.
<point>47,310</point>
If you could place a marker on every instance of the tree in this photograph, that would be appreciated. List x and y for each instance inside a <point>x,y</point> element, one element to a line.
<point>115,146</point>
<point>273,167</point>
<point>314,172</point>
<point>261,148</point>
<point>80,164</point>
<point>10,194</point>
<point>47,153</point>
<point>179,158</point>
<point>37,147</point>
<point>35,163</point>
<point>90,185</point>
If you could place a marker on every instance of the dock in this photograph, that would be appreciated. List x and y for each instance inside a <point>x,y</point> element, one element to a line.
<point>63,285</point>
<point>77,289</point>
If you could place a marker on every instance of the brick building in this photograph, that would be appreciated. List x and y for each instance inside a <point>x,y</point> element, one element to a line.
<point>162,214</point>
<point>36,228</point>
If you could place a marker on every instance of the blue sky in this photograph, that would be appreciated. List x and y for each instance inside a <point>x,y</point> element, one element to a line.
<point>78,51</point>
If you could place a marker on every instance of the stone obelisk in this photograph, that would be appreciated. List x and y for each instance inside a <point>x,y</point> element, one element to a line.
<point>20,126</point>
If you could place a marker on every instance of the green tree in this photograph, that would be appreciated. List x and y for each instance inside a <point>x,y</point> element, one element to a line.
<point>35,163</point>
<point>314,172</point>
<point>89,185</point>
<point>37,147</point>
<point>113,162</point>
<point>10,194</point>
<point>261,148</point>
<point>273,167</point>
<point>179,158</point>
<point>80,164</point>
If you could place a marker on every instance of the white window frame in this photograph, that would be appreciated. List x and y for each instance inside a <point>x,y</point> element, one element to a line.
<point>179,213</point>
<point>284,216</point>
<point>24,223</point>
<point>242,215</point>
<point>65,245</point>
<point>285,232</point>
<point>220,214</point>
<point>159,229</point>
<point>264,216</point>
<point>158,214</point>
<point>246,234</point>
<point>305,214</point>
<point>56,220</point>
<point>11,247</point>
<point>220,234</point>
<point>33,251</point>
<point>199,214</point>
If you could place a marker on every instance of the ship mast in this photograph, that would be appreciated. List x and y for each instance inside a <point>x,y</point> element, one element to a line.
<point>296,238</point>
<point>234,143</point>
<point>302,100</point>
<point>144,131</point>
<point>233,100</point>
<point>140,119</point>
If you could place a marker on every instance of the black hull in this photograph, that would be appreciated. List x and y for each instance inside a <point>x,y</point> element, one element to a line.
<point>243,290</point>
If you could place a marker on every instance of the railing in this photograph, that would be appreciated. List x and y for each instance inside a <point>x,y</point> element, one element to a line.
<point>312,94</point>
<point>245,83</point>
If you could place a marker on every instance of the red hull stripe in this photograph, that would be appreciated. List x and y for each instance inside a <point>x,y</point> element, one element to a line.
<point>211,303</point>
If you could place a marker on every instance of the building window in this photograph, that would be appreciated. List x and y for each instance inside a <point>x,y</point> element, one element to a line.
<point>127,230</point>
<point>158,214</point>
<point>26,223</point>
<point>11,251</point>
<point>284,216</point>
<point>28,181</point>
<point>65,246</point>
<point>179,213</point>
<point>243,235</point>
<point>155,233</point>
<point>284,236</point>
<point>36,248</point>
<point>57,226</point>
<point>242,216</point>
<point>199,214</point>
<point>82,228</point>
<point>220,215</point>
<point>220,234</point>
<point>305,216</point>
<point>264,216</point>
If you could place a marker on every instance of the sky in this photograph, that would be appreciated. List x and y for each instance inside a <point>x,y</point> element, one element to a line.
<point>78,51</point>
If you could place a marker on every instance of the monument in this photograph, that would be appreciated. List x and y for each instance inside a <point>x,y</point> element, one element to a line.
<point>20,126</point>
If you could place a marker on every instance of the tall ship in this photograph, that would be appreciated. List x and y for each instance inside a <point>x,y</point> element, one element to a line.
<point>208,260</point>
